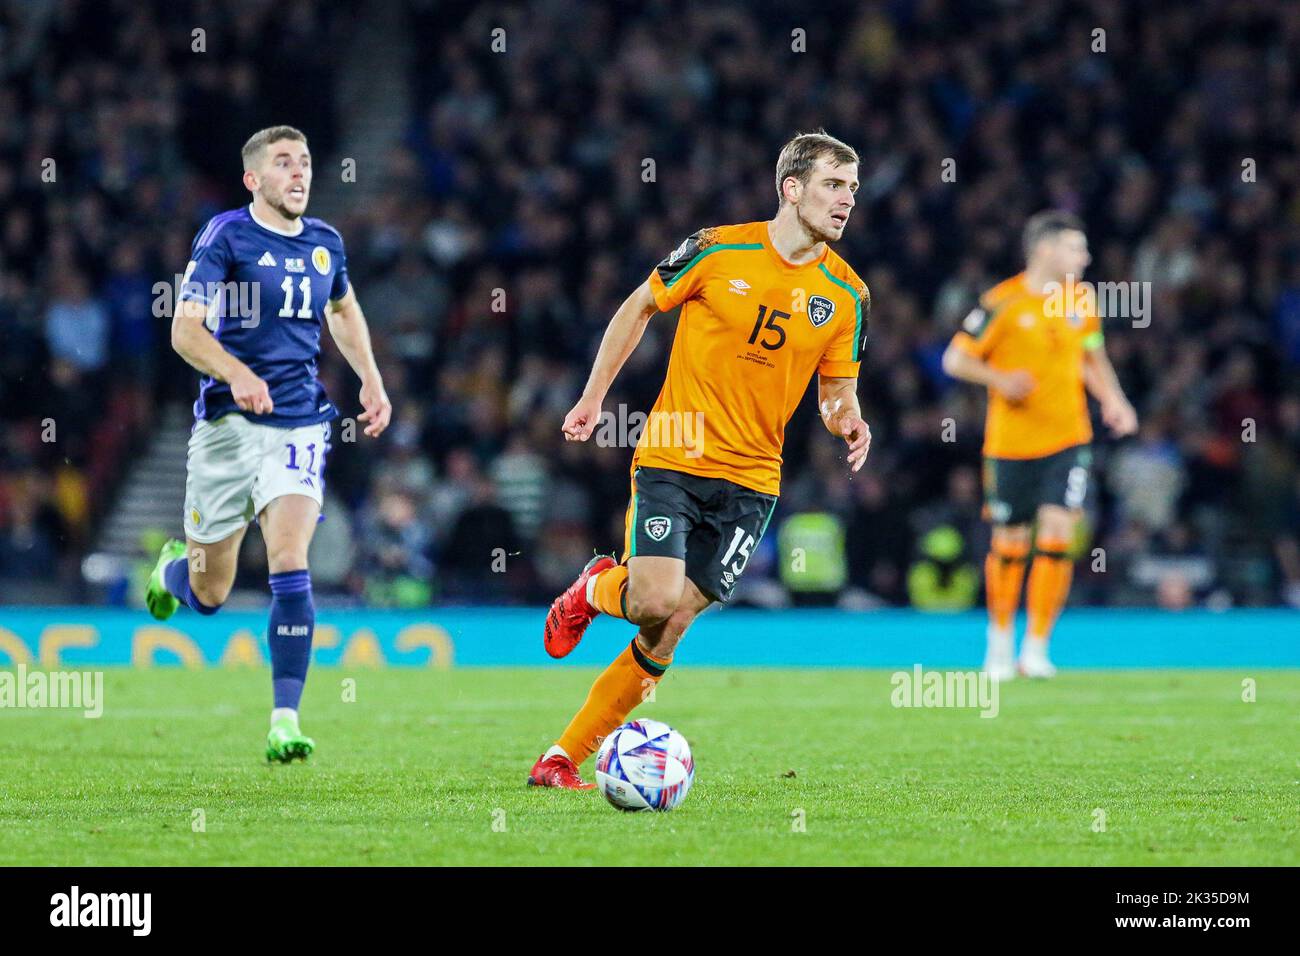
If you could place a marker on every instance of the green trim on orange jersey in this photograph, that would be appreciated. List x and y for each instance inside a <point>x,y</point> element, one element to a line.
<point>748,246</point>
<point>631,546</point>
<point>857,309</point>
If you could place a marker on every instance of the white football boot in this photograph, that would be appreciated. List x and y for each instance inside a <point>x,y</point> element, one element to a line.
<point>1033,659</point>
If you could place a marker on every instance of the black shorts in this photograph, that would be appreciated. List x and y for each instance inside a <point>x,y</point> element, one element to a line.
<point>710,523</point>
<point>1014,488</point>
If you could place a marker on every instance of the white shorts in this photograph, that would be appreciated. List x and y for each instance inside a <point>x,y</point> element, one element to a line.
<point>236,467</point>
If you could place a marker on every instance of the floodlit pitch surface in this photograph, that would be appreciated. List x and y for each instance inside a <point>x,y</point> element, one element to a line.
<point>796,766</point>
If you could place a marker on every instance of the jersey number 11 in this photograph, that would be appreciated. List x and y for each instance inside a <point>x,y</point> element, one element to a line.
<point>286,311</point>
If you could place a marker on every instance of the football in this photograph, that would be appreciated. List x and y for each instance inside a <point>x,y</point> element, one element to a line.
<point>645,765</point>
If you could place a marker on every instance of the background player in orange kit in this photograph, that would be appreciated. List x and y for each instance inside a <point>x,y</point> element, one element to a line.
<point>1035,341</point>
<point>765,305</point>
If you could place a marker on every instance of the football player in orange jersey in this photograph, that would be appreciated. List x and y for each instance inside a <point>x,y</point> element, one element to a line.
<point>764,307</point>
<point>1035,342</point>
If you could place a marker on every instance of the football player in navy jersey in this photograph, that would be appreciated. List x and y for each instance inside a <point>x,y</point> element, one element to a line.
<point>261,281</point>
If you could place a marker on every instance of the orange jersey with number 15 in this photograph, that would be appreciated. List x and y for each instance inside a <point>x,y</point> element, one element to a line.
<point>1046,336</point>
<point>752,331</point>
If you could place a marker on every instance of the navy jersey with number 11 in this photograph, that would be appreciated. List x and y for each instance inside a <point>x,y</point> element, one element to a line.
<point>266,293</point>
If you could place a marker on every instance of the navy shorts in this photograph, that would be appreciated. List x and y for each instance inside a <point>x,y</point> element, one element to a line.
<point>710,523</point>
<point>1014,488</point>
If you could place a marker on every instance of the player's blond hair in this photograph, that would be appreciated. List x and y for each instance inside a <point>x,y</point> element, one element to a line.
<point>263,138</point>
<point>799,157</point>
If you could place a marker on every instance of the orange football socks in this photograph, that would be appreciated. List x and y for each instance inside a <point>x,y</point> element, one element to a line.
<point>1049,586</point>
<point>609,593</point>
<point>623,685</point>
<point>1004,572</point>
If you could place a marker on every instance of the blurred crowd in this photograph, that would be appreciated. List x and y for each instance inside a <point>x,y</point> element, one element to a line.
<point>535,186</point>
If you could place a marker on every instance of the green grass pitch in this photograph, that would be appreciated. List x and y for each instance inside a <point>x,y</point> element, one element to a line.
<point>792,767</point>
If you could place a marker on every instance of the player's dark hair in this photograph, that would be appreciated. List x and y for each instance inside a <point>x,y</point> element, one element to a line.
<point>1046,224</point>
<point>265,137</point>
<point>799,157</point>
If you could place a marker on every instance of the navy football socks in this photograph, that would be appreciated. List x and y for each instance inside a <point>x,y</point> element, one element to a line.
<point>293,621</point>
<point>177,578</point>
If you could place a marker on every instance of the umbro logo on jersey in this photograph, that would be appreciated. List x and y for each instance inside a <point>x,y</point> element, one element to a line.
<point>740,287</point>
<point>295,265</point>
<point>266,260</point>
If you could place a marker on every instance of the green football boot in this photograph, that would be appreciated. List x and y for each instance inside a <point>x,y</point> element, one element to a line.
<point>162,603</point>
<point>286,742</point>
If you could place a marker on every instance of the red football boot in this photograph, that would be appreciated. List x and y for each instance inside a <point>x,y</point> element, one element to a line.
<point>558,771</point>
<point>570,613</point>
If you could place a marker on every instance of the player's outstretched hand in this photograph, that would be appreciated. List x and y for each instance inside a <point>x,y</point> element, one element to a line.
<point>378,410</point>
<point>1015,386</point>
<point>250,393</point>
<point>1120,418</point>
<point>857,433</point>
<point>581,420</point>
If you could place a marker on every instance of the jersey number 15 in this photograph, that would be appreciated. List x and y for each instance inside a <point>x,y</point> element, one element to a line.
<point>770,325</point>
